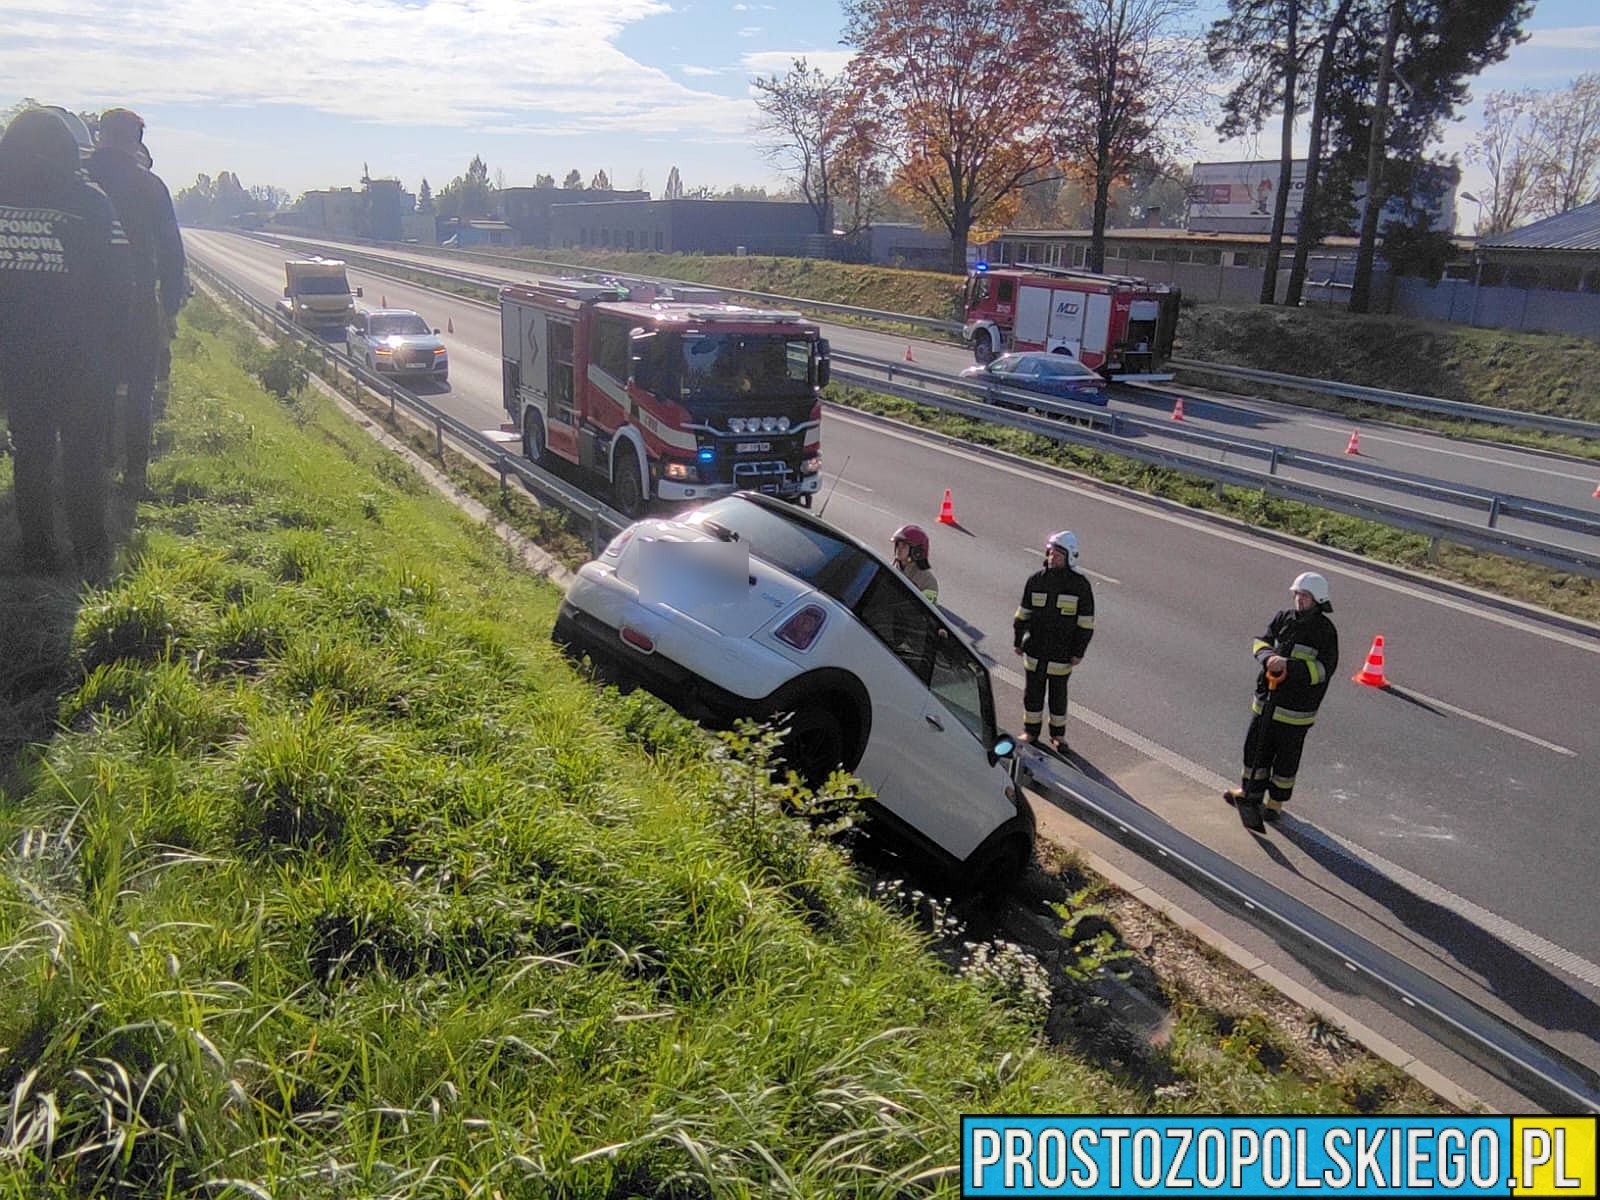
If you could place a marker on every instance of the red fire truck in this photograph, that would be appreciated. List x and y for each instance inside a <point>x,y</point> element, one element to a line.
<point>666,400</point>
<point>1121,326</point>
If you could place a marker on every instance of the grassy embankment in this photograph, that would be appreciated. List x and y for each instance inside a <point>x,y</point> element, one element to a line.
<point>334,879</point>
<point>1530,372</point>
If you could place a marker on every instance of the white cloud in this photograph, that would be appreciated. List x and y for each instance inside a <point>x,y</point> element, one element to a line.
<point>450,63</point>
<point>778,62</point>
<point>750,31</point>
<point>689,70</point>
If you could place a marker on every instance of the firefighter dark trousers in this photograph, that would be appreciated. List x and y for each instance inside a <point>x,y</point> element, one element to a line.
<point>1045,678</point>
<point>147,334</point>
<point>40,406</point>
<point>1272,759</point>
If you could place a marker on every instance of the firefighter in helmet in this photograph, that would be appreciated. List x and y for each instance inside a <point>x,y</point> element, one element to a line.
<point>1298,654</point>
<point>1052,629</point>
<point>911,559</point>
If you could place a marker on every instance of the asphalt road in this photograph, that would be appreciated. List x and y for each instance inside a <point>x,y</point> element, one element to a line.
<point>1506,470</point>
<point>1449,818</point>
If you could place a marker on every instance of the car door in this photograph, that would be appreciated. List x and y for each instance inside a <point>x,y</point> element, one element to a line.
<point>924,760</point>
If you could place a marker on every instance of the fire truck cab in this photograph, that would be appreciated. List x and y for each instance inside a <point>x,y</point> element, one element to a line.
<point>1120,325</point>
<point>664,400</point>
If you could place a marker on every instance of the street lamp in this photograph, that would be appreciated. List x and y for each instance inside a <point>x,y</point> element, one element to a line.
<point>1479,203</point>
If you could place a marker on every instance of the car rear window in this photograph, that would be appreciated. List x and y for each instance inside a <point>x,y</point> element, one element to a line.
<point>1067,368</point>
<point>829,564</point>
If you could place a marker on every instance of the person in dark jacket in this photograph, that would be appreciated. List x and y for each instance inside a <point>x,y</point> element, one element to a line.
<point>1298,654</point>
<point>158,405</point>
<point>145,207</point>
<point>63,281</point>
<point>1052,628</point>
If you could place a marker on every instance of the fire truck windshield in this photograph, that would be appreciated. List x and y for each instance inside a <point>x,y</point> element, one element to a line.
<point>731,366</point>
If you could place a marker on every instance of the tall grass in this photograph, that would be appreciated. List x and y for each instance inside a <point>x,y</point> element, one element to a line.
<point>335,880</point>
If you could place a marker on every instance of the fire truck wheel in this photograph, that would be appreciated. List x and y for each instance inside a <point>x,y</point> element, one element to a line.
<point>627,492</point>
<point>533,446</point>
<point>982,349</point>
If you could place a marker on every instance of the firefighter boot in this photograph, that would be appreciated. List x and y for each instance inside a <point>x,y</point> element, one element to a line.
<point>1248,807</point>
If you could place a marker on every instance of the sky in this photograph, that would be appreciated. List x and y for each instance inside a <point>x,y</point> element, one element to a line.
<point>302,95</point>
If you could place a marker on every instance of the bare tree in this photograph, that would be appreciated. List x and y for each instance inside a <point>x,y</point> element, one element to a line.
<point>1508,148</point>
<point>1568,135</point>
<point>1140,78</point>
<point>803,122</point>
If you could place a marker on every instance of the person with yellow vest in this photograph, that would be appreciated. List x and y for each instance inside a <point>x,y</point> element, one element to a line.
<point>1051,631</point>
<point>1298,654</point>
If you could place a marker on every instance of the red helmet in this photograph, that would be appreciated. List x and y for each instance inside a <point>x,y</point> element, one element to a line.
<point>914,536</point>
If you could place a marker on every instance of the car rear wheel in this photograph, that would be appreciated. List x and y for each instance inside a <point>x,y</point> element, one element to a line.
<point>814,746</point>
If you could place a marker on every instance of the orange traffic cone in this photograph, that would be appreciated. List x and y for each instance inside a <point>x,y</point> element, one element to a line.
<point>450,325</point>
<point>947,510</point>
<point>1596,491</point>
<point>1177,409</point>
<point>908,353</point>
<point>1355,442</point>
<point>1372,673</point>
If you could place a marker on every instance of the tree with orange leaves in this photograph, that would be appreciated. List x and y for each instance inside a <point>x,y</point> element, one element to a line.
<point>969,96</point>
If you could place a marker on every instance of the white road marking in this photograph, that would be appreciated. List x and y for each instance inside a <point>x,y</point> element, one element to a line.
<point>1430,448</point>
<point>1514,935</point>
<point>1492,724</point>
<point>1590,645</point>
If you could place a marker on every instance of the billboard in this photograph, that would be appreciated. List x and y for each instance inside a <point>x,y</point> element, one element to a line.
<point>1237,197</point>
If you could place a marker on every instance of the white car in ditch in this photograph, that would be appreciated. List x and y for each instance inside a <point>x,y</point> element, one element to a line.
<point>749,607</point>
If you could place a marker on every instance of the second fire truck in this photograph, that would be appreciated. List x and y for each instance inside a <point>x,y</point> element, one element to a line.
<point>666,400</point>
<point>1120,325</point>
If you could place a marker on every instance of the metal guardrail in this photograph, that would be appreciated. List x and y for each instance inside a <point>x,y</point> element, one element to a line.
<point>1540,1072</point>
<point>602,521</point>
<point>1120,426</point>
<point>1532,1068</point>
<point>1352,391</point>
<point>846,310</point>
<point>1488,538</point>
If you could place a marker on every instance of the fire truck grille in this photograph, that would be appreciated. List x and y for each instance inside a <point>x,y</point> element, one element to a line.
<point>776,478</point>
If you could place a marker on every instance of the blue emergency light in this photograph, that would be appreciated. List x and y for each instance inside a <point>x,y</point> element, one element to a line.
<point>708,455</point>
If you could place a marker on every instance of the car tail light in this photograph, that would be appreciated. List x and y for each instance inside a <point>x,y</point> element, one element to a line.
<point>638,640</point>
<point>801,629</point>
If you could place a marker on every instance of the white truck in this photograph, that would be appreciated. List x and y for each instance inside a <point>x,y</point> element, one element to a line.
<point>317,294</point>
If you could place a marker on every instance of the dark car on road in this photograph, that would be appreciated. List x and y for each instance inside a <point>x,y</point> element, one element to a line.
<point>1056,375</point>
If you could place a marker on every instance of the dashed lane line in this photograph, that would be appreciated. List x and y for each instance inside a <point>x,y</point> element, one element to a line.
<point>1524,940</point>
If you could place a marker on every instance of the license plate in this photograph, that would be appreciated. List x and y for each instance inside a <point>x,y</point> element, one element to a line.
<point>752,447</point>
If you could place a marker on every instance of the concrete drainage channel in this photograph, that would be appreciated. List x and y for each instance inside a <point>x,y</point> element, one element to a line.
<point>1536,1071</point>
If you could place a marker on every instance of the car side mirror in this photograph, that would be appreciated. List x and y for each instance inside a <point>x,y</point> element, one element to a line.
<point>435,333</point>
<point>358,293</point>
<point>824,362</point>
<point>286,291</point>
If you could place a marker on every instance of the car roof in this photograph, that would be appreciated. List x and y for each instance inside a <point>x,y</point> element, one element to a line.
<point>1052,359</point>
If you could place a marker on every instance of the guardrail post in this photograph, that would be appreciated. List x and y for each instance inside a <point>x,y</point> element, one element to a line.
<point>393,390</point>
<point>595,544</point>
<point>1272,463</point>
<point>1433,549</point>
<point>1494,510</point>
<point>501,463</point>
<point>438,437</point>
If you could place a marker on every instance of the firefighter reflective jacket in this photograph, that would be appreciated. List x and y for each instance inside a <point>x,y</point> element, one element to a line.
<point>1055,618</point>
<point>1310,643</point>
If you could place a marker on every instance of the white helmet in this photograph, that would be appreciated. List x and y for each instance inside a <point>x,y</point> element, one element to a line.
<point>1065,541</point>
<point>1313,585</point>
